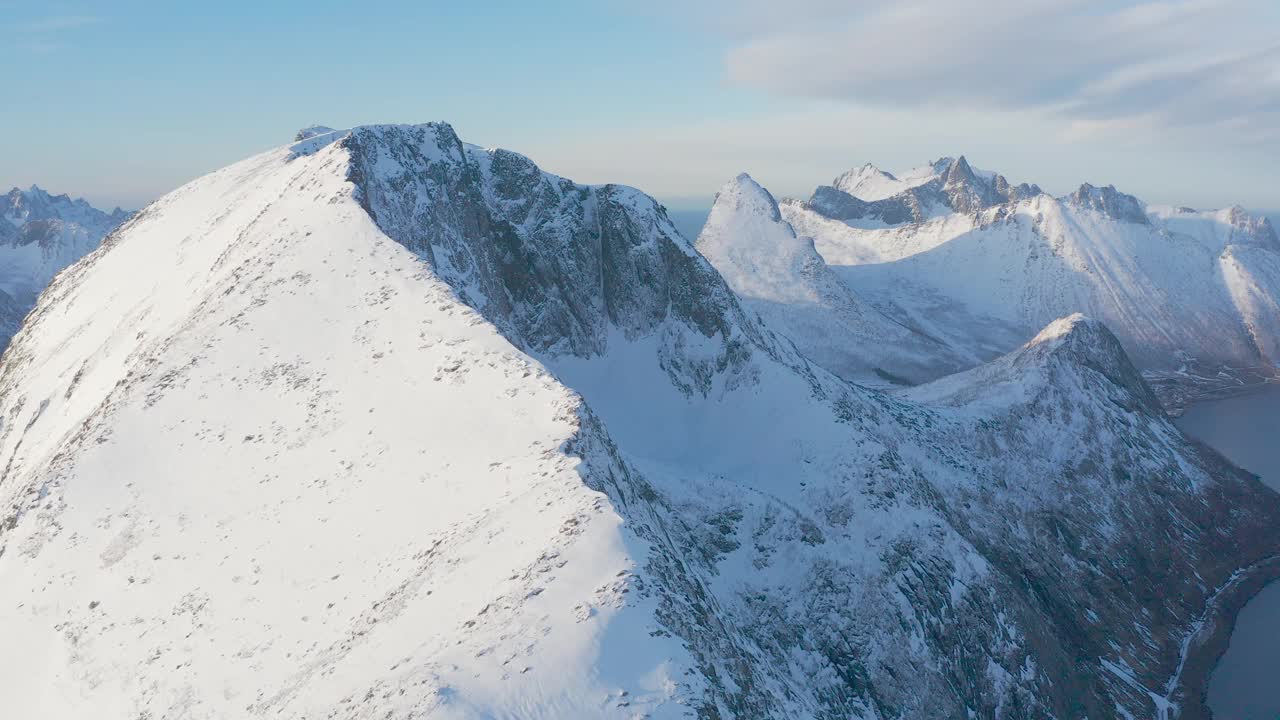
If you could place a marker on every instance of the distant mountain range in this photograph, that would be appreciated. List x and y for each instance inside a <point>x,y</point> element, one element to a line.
<point>40,234</point>
<point>381,424</point>
<point>979,264</point>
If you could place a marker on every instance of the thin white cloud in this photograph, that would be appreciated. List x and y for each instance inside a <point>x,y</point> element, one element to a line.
<point>54,23</point>
<point>1168,64</point>
<point>794,149</point>
<point>43,35</point>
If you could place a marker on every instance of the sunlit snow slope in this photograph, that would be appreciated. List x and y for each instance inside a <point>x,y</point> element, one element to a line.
<point>781,276</point>
<point>1190,294</point>
<point>40,234</point>
<point>267,465</point>
<point>385,425</point>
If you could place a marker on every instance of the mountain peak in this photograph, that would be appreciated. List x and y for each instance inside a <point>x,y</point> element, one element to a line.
<point>1075,330</point>
<point>556,265</point>
<point>1055,355</point>
<point>869,182</point>
<point>1252,229</point>
<point>312,131</point>
<point>1089,343</point>
<point>1110,202</point>
<point>743,193</point>
<point>419,322</point>
<point>960,167</point>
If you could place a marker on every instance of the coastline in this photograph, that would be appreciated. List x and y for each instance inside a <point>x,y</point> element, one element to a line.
<point>1190,694</point>
<point>1177,393</point>
<point>1204,649</point>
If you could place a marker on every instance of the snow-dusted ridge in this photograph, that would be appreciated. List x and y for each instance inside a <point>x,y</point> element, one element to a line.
<point>1192,295</point>
<point>388,425</point>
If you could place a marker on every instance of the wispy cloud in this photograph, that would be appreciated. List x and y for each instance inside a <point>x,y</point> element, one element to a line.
<point>1101,65</point>
<point>44,34</point>
<point>39,47</point>
<point>55,23</point>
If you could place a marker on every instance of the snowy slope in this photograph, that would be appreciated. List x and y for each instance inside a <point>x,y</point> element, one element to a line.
<point>871,183</point>
<point>395,426</point>
<point>870,198</point>
<point>40,234</point>
<point>288,474</point>
<point>1187,292</point>
<point>780,276</point>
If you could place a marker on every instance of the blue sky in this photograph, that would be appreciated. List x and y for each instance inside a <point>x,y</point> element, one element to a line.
<point>122,101</point>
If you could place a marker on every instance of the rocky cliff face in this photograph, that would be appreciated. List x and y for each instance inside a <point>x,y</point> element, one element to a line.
<point>1109,202</point>
<point>533,458</point>
<point>559,266</point>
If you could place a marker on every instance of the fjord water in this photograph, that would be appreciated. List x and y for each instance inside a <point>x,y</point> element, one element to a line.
<point>690,221</point>
<point>1246,684</point>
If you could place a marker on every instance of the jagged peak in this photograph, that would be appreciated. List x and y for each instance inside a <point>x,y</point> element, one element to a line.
<point>437,140</point>
<point>558,266</point>
<point>1110,202</point>
<point>18,194</point>
<point>36,203</point>
<point>942,164</point>
<point>1256,228</point>
<point>960,168</point>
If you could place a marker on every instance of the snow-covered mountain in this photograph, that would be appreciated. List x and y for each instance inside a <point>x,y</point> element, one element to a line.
<point>385,425</point>
<point>872,198</point>
<point>40,234</point>
<point>780,276</point>
<point>1192,295</point>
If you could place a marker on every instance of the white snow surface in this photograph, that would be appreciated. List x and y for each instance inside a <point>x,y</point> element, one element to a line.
<point>384,425</point>
<point>871,183</point>
<point>291,476</point>
<point>1183,285</point>
<point>781,276</point>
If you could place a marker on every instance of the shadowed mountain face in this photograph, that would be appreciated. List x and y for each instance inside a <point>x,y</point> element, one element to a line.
<point>536,458</point>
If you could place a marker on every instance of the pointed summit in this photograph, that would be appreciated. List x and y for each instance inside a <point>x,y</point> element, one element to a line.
<point>966,192</point>
<point>959,171</point>
<point>1065,347</point>
<point>744,194</point>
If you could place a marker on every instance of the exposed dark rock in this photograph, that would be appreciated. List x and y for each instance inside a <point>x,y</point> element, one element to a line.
<point>1110,202</point>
